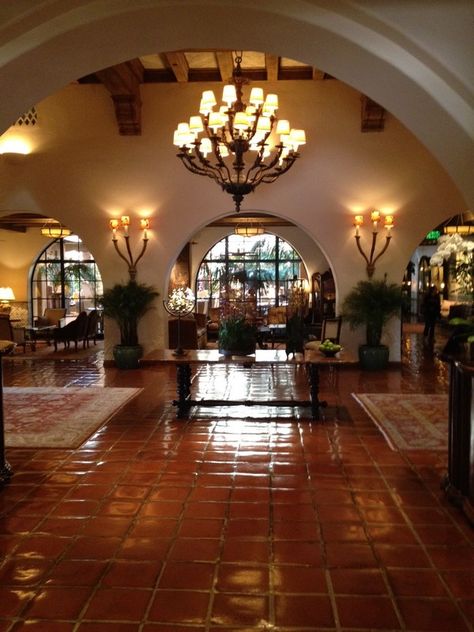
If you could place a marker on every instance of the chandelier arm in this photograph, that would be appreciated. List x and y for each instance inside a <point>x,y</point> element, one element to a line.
<point>268,178</point>
<point>191,166</point>
<point>262,169</point>
<point>203,169</point>
<point>221,164</point>
<point>256,165</point>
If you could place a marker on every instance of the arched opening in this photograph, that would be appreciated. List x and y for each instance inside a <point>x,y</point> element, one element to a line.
<point>259,270</point>
<point>65,275</point>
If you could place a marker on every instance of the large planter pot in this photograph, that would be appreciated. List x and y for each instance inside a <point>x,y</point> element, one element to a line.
<point>127,357</point>
<point>373,358</point>
<point>238,351</point>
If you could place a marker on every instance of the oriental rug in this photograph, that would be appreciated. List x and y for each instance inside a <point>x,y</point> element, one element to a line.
<point>409,421</point>
<point>48,417</point>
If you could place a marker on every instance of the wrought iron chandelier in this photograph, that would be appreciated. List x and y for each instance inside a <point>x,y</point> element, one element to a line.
<point>239,139</point>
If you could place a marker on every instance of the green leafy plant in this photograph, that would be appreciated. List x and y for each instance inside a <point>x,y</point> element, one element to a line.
<point>237,336</point>
<point>127,304</point>
<point>372,303</point>
<point>462,332</point>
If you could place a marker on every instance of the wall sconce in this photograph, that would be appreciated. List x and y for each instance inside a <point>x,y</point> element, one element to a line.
<point>375,219</point>
<point>123,223</point>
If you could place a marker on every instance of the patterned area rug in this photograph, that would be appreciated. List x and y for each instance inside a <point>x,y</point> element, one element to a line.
<point>47,417</point>
<point>409,422</point>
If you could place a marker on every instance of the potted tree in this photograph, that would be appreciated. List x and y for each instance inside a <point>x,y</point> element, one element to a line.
<point>127,304</point>
<point>372,303</point>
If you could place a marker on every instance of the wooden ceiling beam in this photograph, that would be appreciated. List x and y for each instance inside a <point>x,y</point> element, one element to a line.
<point>179,65</point>
<point>225,61</point>
<point>318,75</point>
<point>272,65</point>
<point>123,82</point>
<point>372,116</point>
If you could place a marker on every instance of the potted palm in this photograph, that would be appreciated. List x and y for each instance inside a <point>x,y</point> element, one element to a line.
<point>127,304</point>
<point>372,303</point>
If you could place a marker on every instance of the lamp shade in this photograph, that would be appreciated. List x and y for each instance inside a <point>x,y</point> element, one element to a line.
<point>6,294</point>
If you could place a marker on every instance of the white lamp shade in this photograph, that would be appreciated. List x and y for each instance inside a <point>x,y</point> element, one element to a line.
<point>229,94</point>
<point>6,294</point>
<point>256,96</point>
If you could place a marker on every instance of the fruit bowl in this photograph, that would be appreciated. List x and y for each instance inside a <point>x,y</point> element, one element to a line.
<point>329,349</point>
<point>329,353</point>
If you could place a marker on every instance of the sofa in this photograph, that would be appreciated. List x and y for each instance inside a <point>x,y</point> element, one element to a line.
<point>193,332</point>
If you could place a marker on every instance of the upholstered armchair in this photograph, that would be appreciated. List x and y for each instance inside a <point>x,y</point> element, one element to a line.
<point>75,331</point>
<point>15,334</point>
<point>51,317</point>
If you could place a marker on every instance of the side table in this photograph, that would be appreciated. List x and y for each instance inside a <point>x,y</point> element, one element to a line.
<point>40,333</point>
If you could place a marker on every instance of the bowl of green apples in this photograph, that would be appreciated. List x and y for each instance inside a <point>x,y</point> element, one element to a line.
<point>329,348</point>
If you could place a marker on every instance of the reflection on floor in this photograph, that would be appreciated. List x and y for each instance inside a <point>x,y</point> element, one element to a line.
<point>221,523</point>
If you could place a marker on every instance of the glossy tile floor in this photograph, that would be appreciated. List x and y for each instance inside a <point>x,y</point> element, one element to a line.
<point>227,523</point>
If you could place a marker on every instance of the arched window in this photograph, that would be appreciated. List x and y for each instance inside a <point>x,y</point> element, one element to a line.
<point>262,268</point>
<point>65,275</point>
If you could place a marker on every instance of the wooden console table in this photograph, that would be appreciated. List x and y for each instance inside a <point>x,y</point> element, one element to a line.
<point>313,360</point>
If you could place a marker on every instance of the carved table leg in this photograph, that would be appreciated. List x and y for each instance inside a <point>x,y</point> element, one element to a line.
<point>183,385</point>
<point>5,468</point>
<point>313,378</point>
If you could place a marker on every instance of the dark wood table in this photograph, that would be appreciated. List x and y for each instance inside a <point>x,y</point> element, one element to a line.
<point>40,333</point>
<point>6,347</point>
<point>313,360</point>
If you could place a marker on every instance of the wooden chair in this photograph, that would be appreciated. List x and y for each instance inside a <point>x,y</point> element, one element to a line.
<point>331,329</point>
<point>75,331</point>
<point>92,325</point>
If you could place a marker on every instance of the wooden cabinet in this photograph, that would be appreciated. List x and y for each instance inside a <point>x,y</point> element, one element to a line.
<point>323,296</point>
<point>459,483</point>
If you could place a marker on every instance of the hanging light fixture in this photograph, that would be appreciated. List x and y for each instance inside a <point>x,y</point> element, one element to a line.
<point>55,230</point>
<point>460,224</point>
<point>251,228</point>
<point>235,149</point>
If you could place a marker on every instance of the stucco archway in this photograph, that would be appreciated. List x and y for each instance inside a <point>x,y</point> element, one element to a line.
<point>381,52</point>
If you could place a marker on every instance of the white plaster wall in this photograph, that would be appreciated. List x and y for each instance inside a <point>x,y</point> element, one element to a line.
<point>83,173</point>
<point>415,58</point>
<point>18,251</point>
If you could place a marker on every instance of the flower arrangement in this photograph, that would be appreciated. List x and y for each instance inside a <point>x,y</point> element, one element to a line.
<point>180,302</point>
<point>463,251</point>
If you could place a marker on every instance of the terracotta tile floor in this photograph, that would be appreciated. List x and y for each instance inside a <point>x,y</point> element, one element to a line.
<point>230,523</point>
